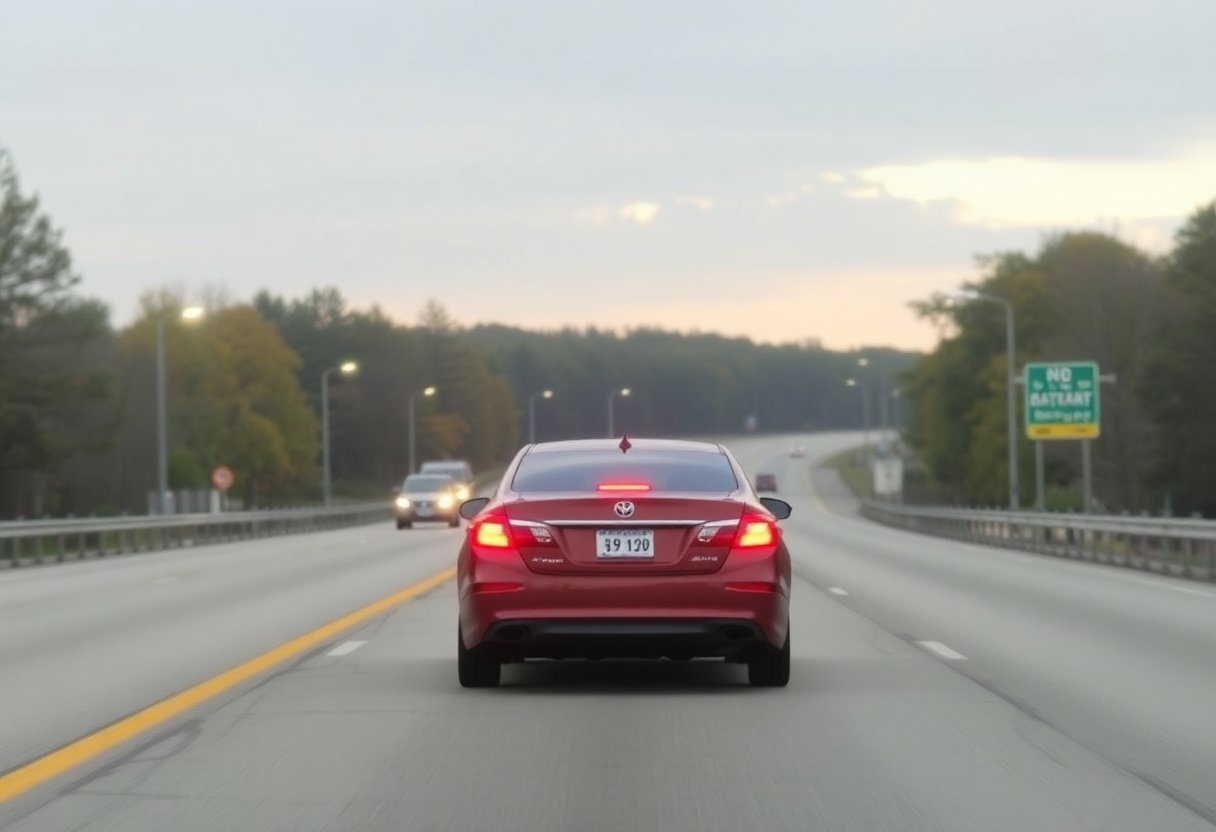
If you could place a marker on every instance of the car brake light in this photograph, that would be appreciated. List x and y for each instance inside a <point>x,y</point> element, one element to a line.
<point>755,532</point>
<point>493,533</point>
<point>622,486</point>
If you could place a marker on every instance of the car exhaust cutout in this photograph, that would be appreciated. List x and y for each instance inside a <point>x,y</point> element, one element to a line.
<point>737,634</point>
<point>512,633</point>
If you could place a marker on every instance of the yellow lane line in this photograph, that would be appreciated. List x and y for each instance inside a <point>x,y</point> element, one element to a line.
<point>30,775</point>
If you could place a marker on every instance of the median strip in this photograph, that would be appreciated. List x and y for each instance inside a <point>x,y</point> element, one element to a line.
<point>33,774</point>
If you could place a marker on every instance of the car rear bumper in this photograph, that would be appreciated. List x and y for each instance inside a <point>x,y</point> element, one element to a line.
<point>614,612</point>
<point>678,638</point>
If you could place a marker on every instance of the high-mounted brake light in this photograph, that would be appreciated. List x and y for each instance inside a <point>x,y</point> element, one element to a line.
<point>493,534</point>
<point>755,532</point>
<point>622,486</point>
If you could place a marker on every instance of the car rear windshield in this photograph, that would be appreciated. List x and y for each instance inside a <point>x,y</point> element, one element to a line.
<point>454,469</point>
<point>696,471</point>
<point>418,485</point>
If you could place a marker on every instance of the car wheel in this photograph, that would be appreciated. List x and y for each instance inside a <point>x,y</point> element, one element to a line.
<point>770,668</point>
<point>476,668</point>
<point>404,524</point>
<point>454,522</point>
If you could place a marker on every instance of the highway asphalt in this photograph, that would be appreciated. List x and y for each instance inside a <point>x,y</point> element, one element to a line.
<point>936,686</point>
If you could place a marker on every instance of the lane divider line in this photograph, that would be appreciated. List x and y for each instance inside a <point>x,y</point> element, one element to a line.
<point>835,590</point>
<point>35,773</point>
<point>346,648</point>
<point>941,651</point>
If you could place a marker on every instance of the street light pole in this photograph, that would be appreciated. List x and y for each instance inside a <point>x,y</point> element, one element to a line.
<point>162,441</point>
<point>624,392</point>
<point>882,401</point>
<point>1011,389</point>
<point>865,412</point>
<point>190,313</point>
<point>347,368</point>
<point>428,392</point>
<point>543,394</point>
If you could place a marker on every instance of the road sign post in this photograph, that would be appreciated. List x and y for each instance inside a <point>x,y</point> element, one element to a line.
<point>222,479</point>
<point>1063,401</point>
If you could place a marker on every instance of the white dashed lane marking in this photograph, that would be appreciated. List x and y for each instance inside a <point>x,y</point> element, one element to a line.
<point>941,651</point>
<point>346,648</point>
<point>837,591</point>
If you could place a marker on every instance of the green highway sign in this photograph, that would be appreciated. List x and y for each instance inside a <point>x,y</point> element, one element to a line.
<point>1062,400</point>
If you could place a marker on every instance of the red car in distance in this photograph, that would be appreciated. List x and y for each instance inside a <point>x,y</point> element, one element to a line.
<point>637,549</point>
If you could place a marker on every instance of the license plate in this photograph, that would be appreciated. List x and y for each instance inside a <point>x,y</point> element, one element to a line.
<point>624,543</point>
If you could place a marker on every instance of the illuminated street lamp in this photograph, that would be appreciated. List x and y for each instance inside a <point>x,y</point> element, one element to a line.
<point>624,393</point>
<point>190,313</point>
<point>347,368</point>
<point>427,392</point>
<point>543,394</point>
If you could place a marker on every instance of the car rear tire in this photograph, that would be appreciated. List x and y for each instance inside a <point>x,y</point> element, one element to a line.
<point>770,667</point>
<point>404,524</point>
<point>454,522</point>
<point>476,668</point>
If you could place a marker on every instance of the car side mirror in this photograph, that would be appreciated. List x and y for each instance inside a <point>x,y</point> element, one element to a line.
<point>470,508</point>
<point>779,508</point>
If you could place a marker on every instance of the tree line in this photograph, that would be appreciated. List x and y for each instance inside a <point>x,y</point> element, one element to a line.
<point>78,396</point>
<point>1150,322</point>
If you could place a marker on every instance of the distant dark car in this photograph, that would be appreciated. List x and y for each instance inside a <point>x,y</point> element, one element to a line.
<point>427,497</point>
<point>459,470</point>
<point>766,482</point>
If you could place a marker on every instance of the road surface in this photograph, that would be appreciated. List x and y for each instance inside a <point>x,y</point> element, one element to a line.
<point>936,686</point>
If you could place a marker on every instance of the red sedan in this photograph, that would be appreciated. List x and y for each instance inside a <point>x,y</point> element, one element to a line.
<point>636,549</point>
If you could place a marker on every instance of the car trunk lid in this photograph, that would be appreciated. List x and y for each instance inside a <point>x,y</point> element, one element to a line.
<point>622,534</point>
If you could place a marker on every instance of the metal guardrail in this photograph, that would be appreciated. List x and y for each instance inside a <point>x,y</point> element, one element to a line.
<point>1173,546</point>
<point>28,542</point>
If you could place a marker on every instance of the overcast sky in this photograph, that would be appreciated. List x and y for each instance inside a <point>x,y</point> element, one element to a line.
<point>778,170</point>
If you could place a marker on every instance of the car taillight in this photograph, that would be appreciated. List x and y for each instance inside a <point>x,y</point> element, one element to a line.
<point>756,531</point>
<point>493,532</point>
<point>531,533</point>
<point>497,531</point>
<point>717,533</point>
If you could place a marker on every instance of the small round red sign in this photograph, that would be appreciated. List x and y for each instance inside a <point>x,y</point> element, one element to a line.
<point>222,478</point>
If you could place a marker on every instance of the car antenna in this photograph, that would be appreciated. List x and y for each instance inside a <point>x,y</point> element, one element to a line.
<point>625,443</point>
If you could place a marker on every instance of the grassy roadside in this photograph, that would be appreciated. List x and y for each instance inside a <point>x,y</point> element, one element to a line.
<point>856,477</point>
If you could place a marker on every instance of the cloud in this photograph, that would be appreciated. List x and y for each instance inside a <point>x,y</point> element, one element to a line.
<point>594,216</point>
<point>863,192</point>
<point>1024,192</point>
<point>702,203</point>
<point>780,200</point>
<point>643,213</point>
<point>601,215</point>
<point>795,191</point>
